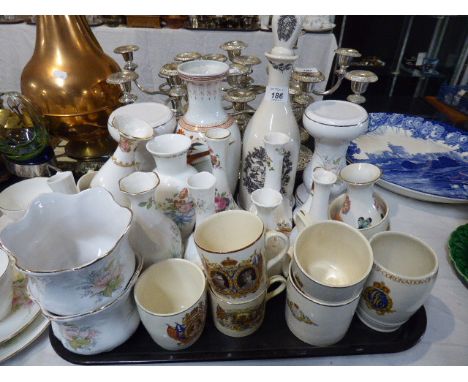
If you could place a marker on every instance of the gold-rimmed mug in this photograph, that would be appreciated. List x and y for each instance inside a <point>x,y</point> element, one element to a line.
<point>231,245</point>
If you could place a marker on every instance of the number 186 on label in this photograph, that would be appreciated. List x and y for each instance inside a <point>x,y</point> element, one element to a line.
<point>277,94</point>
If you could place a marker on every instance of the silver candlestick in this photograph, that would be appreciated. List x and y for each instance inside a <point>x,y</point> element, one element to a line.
<point>124,79</point>
<point>360,80</point>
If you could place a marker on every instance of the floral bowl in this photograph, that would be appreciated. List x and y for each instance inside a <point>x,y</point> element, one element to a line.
<point>74,250</point>
<point>102,329</point>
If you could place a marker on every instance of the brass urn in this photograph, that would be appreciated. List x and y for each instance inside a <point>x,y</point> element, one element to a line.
<point>66,80</point>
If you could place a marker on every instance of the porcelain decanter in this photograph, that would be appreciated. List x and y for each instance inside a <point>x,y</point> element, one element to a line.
<point>202,187</point>
<point>205,111</point>
<point>170,154</point>
<point>273,115</point>
<point>152,235</point>
<point>122,163</point>
<point>333,124</point>
<point>218,141</point>
<point>360,209</point>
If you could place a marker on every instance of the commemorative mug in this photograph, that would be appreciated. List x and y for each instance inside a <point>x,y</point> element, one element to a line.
<point>315,322</point>
<point>328,269</point>
<point>171,300</point>
<point>231,245</point>
<point>240,319</point>
<point>402,277</point>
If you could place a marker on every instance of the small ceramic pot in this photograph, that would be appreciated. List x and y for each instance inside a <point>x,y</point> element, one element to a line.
<point>86,260</point>
<point>6,285</point>
<point>102,329</point>
<point>315,322</point>
<point>171,301</point>
<point>331,262</point>
<point>337,204</point>
<point>231,245</point>
<point>404,273</point>
<point>15,199</point>
<point>240,319</point>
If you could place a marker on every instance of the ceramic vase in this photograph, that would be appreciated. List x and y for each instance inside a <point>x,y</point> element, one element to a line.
<point>360,208</point>
<point>122,163</point>
<point>153,235</point>
<point>218,142</point>
<point>315,209</point>
<point>266,201</point>
<point>202,188</point>
<point>333,125</point>
<point>171,196</point>
<point>205,111</point>
<point>274,114</point>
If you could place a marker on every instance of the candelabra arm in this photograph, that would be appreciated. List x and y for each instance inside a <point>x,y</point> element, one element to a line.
<point>247,111</point>
<point>334,88</point>
<point>147,91</point>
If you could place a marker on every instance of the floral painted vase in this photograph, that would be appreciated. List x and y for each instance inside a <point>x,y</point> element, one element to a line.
<point>171,196</point>
<point>205,112</point>
<point>218,143</point>
<point>273,115</point>
<point>122,163</point>
<point>360,209</point>
<point>153,235</point>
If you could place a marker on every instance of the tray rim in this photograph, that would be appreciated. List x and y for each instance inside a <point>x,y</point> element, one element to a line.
<point>244,355</point>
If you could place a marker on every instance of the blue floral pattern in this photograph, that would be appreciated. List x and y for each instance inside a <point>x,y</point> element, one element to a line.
<point>443,174</point>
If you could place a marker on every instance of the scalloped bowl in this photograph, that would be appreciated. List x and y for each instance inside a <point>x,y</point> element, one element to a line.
<point>74,249</point>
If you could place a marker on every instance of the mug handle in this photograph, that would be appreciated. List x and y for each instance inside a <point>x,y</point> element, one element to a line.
<point>280,288</point>
<point>280,256</point>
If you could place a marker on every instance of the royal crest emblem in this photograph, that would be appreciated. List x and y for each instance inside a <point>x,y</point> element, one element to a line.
<point>191,327</point>
<point>377,297</point>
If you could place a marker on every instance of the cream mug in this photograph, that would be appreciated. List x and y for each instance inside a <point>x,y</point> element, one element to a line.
<point>404,272</point>
<point>240,319</point>
<point>231,245</point>
<point>171,300</point>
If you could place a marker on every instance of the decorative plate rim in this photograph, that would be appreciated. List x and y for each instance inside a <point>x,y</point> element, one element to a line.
<point>440,137</point>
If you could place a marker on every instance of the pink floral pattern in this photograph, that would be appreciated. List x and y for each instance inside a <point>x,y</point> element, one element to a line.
<point>20,294</point>
<point>104,282</point>
<point>80,338</point>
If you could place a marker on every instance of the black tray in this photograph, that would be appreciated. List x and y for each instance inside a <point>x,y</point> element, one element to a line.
<point>272,340</point>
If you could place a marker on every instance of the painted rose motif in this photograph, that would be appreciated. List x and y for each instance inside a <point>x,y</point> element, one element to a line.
<point>222,202</point>
<point>179,208</point>
<point>20,294</point>
<point>104,282</point>
<point>80,338</point>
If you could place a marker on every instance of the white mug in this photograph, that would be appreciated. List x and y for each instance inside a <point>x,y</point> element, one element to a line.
<point>402,277</point>
<point>231,245</point>
<point>314,322</point>
<point>240,319</point>
<point>171,300</point>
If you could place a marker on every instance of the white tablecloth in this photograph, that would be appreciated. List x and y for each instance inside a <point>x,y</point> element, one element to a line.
<point>159,46</point>
<point>445,341</point>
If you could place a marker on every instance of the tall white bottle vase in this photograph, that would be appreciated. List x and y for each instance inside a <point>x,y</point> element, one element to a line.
<point>218,141</point>
<point>170,154</point>
<point>132,131</point>
<point>205,111</point>
<point>273,115</point>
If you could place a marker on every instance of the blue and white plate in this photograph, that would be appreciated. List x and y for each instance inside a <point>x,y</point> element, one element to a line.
<point>419,158</point>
